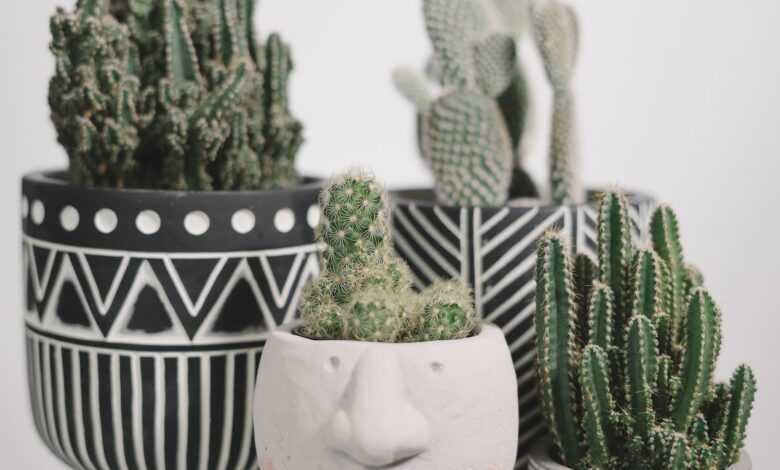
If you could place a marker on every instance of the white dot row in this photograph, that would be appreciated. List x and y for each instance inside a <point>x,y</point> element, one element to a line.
<point>148,222</point>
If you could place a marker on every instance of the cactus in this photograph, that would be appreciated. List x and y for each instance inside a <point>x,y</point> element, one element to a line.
<point>364,292</point>
<point>474,134</point>
<point>172,94</point>
<point>618,388</point>
<point>556,32</point>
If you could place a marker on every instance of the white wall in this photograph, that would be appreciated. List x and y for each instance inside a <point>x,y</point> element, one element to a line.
<point>677,97</point>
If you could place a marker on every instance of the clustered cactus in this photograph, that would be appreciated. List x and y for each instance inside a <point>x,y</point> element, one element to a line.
<point>473,135</point>
<point>627,351</point>
<point>364,292</point>
<point>172,94</point>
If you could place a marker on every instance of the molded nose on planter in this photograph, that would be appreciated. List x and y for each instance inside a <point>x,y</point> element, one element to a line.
<point>376,424</point>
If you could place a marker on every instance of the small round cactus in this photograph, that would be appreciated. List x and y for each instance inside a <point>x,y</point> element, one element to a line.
<point>365,291</point>
<point>447,313</point>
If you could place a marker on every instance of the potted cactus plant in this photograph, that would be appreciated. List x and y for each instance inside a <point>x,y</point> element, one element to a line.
<point>481,222</point>
<point>627,349</point>
<point>180,235</point>
<point>378,375</point>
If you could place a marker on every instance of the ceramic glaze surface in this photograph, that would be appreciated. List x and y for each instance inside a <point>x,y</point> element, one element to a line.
<point>146,313</point>
<point>344,405</point>
<point>494,251</point>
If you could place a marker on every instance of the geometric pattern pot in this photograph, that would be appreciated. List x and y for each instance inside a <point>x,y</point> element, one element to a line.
<point>146,313</point>
<point>493,250</point>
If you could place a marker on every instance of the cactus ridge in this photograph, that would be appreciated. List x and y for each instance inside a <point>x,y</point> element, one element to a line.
<point>619,387</point>
<point>172,94</point>
<point>365,291</point>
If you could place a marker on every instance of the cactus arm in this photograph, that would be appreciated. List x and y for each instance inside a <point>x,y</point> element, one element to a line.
<point>641,373</point>
<point>91,8</point>
<point>598,404</point>
<point>469,150</point>
<point>679,457</point>
<point>614,255</point>
<point>698,362</point>
<point>584,276</point>
<point>452,26</point>
<point>227,31</point>
<point>665,234</point>
<point>495,64</point>
<point>648,284</point>
<point>556,343</point>
<point>181,59</point>
<point>743,393</point>
<point>556,31</point>
<point>600,316</point>
<point>413,87</point>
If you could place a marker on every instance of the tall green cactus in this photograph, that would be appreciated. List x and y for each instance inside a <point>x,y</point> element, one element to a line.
<point>364,292</point>
<point>628,392</point>
<point>172,94</point>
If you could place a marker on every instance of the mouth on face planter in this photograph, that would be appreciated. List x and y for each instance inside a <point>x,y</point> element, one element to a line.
<point>494,251</point>
<point>352,405</point>
<point>146,313</point>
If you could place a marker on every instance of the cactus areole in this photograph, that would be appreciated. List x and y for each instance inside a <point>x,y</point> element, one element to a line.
<point>172,94</point>
<point>626,352</point>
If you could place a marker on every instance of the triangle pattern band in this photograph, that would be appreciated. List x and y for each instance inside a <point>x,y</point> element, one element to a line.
<point>130,298</point>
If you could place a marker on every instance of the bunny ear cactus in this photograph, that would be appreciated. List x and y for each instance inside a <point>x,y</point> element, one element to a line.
<point>172,94</point>
<point>364,292</point>
<point>619,389</point>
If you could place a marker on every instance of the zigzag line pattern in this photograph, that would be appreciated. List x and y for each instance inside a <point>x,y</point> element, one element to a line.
<point>99,409</point>
<point>169,298</point>
<point>494,251</point>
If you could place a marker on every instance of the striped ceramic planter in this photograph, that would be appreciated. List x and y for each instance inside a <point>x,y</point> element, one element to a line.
<point>494,251</point>
<point>146,313</point>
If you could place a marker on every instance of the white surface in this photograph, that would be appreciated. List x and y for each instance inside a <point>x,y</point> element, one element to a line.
<point>678,97</point>
<point>346,405</point>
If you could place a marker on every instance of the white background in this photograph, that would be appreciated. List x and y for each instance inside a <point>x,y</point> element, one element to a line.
<point>677,97</point>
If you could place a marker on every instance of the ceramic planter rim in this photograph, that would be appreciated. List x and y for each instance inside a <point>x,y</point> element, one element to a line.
<point>58,177</point>
<point>291,330</point>
<point>540,459</point>
<point>406,196</point>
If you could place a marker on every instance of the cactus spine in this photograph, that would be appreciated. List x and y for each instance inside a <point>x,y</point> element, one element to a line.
<point>624,391</point>
<point>364,293</point>
<point>172,94</point>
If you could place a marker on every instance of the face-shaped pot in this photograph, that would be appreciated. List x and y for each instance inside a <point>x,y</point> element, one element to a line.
<point>344,405</point>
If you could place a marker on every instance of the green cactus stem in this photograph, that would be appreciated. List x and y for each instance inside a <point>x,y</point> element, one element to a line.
<point>557,349</point>
<point>598,403</point>
<point>615,253</point>
<point>641,373</point>
<point>743,392</point>
<point>665,234</point>
<point>600,317</point>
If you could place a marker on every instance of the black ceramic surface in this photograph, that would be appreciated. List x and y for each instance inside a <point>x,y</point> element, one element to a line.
<point>494,251</point>
<point>146,313</point>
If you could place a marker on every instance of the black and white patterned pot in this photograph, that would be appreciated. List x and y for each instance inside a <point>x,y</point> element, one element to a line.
<point>494,251</point>
<point>146,313</point>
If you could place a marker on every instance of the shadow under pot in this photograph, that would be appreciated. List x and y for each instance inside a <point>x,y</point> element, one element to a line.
<point>540,460</point>
<point>146,313</point>
<point>351,405</point>
<point>493,250</point>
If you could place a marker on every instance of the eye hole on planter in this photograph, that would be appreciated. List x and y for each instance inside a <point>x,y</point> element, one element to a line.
<point>437,367</point>
<point>334,363</point>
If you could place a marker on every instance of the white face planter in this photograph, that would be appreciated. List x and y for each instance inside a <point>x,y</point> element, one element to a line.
<point>344,405</point>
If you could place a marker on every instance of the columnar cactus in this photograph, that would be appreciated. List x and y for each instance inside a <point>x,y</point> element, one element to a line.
<point>365,293</point>
<point>172,94</point>
<point>474,134</point>
<point>620,388</point>
<point>557,37</point>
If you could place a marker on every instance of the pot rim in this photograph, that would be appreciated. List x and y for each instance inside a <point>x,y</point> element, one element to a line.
<point>288,332</point>
<point>412,195</point>
<point>539,459</point>
<point>57,177</point>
